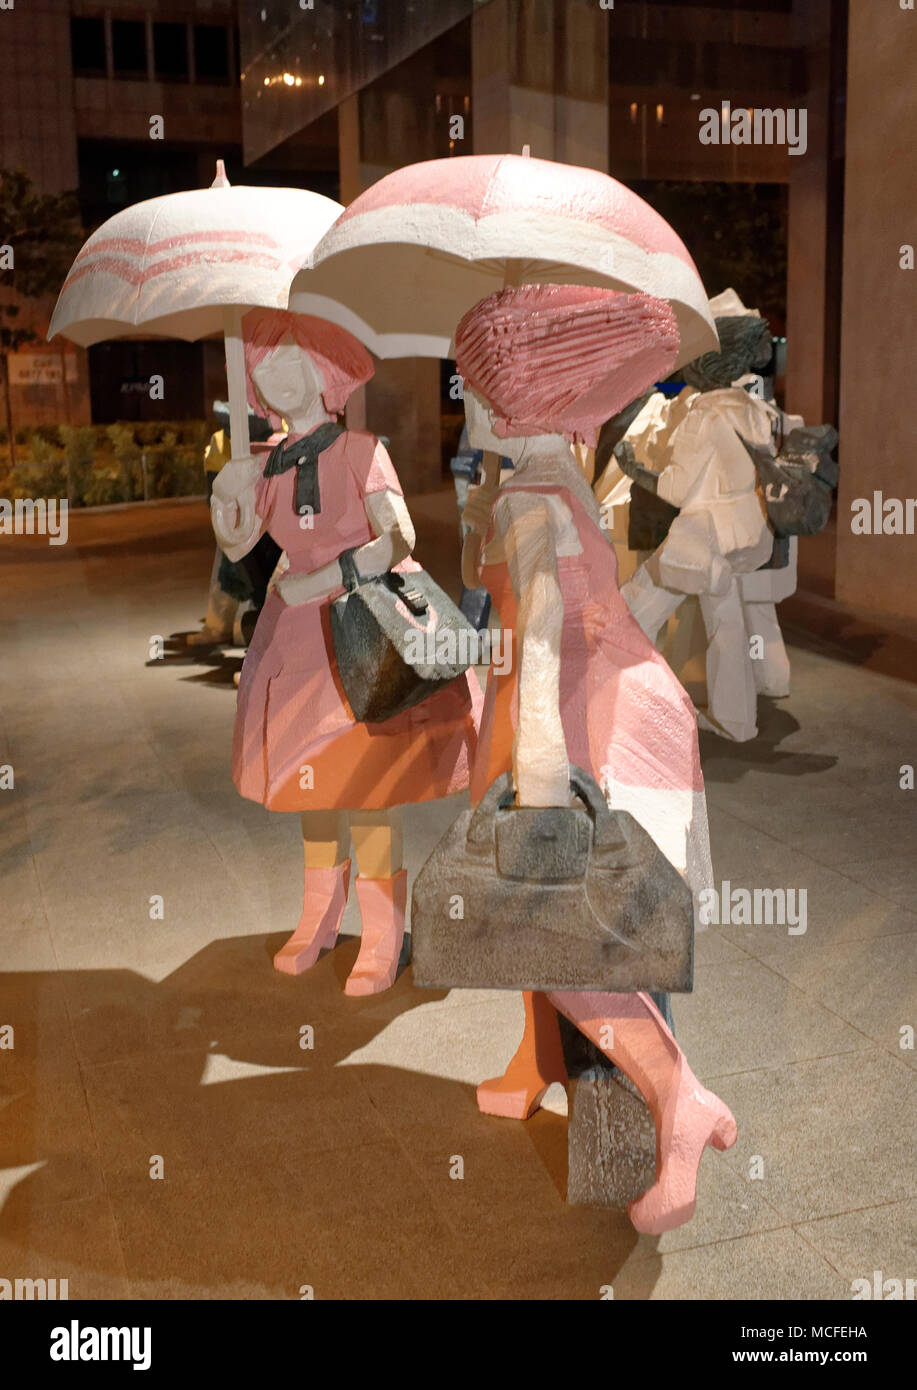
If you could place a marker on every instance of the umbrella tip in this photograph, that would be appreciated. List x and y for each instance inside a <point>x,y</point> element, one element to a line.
<point>526,151</point>
<point>221,181</point>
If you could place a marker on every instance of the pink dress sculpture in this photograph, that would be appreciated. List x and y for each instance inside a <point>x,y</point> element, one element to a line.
<point>297,744</point>
<point>544,366</point>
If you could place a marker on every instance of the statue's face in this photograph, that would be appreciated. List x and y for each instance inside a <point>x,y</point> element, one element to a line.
<point>480,420</point>
<point>288,380</point>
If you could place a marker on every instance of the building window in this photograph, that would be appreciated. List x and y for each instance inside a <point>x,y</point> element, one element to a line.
<point>211,53</point>
<point>170,52</point>
<point>128,41</point>
<point>87,38</point>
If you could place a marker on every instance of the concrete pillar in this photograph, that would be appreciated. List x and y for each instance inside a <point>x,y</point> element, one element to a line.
<point>879,304</point>
<point>807,246</point>
<point>539,77</point>
<point>37,127</point>
<point>383,127</point>
<point>813,248</point>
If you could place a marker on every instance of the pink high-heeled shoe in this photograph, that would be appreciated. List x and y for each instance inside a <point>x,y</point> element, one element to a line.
<point>693,1120</point>
<point>323,908</point>
<point>539,1061</point>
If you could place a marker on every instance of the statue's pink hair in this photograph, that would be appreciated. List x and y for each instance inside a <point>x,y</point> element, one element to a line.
<point>562,359</point>
<point>343,362</point>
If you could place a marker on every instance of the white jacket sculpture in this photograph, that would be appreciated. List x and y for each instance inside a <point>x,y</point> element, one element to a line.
<point>691,451</point>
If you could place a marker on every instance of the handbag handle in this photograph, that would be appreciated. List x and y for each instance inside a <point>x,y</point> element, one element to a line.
<point>607,832</point>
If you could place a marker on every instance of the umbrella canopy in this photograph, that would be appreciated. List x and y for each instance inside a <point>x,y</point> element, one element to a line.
<point>187,265</point>
<point>416,250</point>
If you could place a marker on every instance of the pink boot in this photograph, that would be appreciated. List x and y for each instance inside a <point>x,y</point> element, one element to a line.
<point>323,907</point>
<point>382,907</point>
<point>632,1032</point>
<point>691,1119</point>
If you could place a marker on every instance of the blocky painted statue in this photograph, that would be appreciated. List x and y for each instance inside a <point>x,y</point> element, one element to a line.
<point>723,482</point>
<point>329,497</point>
<point>543,366</point>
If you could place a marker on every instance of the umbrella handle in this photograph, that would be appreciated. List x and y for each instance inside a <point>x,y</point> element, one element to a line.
<point>239,440</point>
<point>474,541</point>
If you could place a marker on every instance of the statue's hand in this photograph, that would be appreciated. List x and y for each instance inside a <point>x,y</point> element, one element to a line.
<point>627,462</point>
<point>477,510</point>
<point>236,478</point>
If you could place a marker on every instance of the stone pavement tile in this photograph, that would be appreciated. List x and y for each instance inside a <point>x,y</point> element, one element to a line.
<point>66,725</point>
<point>87,811</point>
<point>504,1178</point>
<point>209,1118</point>
<point>519,1169</point>
<point>876,819</point>
<point>834,1133</point>
<point>857,1243</point>
<point>21,906</point>
<point>891,875</point>
<point>75,1240</point>
<point>772,1264</point>
<point>871,984</point>
<point>713,947</point>
<point>743,1015</point>
<point>27,950</point>
<point>43,1054</point>
<point>50,1125</point>
<point>838,906</point>
<point>463,1043</point>
<point>100,911</point>
<point>228,997</point>
<point>577,1253</point>
<point>350,1222</point>
<point>728,1206</point>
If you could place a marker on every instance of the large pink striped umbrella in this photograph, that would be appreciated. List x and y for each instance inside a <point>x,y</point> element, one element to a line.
<point>416,250</point>
<point>188,265</point>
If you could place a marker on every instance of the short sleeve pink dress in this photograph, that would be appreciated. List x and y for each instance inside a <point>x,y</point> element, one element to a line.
<point>297,745</point>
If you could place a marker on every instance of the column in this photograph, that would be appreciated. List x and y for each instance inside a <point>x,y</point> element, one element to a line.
<point>879,305</point>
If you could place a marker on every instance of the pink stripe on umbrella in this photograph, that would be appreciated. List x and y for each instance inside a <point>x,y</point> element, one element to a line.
<point>134,246</point>
<point>481,186</point>
<point>134,275</point>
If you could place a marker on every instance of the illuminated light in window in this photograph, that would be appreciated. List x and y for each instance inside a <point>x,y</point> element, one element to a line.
<point>116,173</point>
<point>659,114</point>
<point>288,79</point>
<point>299,81</point>
<point>267,82</point>
<point>633,111</point>
<point>321,79</point>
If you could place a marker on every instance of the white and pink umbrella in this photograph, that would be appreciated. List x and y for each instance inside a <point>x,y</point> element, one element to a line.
<point>416,250</point>
<point>188,265</point>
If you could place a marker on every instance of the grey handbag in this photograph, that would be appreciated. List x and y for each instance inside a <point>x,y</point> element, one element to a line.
<point>798,498</point>
<point>567,897</point>
<point>389,644</point>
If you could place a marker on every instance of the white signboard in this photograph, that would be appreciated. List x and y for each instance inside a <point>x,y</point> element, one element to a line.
<point>41,368</point>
